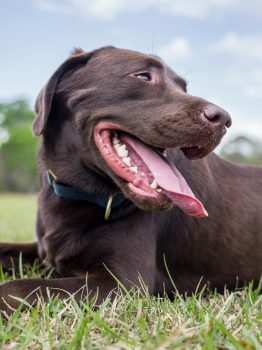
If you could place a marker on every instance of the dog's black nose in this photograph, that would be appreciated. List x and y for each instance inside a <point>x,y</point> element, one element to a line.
<point>217,115</point>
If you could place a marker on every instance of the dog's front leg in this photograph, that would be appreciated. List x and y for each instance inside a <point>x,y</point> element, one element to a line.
<point>10,254</point>
<point>30,290</point>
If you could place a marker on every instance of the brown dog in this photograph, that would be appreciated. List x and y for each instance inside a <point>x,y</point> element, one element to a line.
<point>120,190</point>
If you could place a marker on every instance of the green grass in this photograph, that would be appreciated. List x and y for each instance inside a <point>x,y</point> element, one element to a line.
<point>133,321</point>
<point>17,217</point>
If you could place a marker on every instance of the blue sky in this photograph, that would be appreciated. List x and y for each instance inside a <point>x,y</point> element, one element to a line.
<point>216,45</point>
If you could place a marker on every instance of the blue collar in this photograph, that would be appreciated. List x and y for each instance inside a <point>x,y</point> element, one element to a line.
<point>66,191</point>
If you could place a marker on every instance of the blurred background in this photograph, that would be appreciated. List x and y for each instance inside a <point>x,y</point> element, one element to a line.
<point>216,45</point>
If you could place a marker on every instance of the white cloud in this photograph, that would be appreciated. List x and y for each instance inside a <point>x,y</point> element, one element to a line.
<point>109,9</point>
<point>254,91</point>
<point>243,46</point>
<point>194,9</point>
<point>249,78</point>
<point>246,51</point>
<point>244,124</point>
<point>250,128</point>
<point>178,49</point>
<point>99,9</point>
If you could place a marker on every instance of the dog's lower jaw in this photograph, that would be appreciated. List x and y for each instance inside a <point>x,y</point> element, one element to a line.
<point>145,204</point>
<point>150,177</point>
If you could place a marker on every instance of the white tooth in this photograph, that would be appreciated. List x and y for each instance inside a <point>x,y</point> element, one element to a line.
<point>116,141</point>
<point>121,151</point>
<point>134,169</point>
<point>127,161</point>
<point>159,190</point>
<point>154,184</point>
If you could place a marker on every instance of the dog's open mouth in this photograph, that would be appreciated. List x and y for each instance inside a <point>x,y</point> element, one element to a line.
<point>147,172</point>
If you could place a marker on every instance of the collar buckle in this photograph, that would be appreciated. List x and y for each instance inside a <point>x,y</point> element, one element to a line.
<point>50,177</point>
<point>108,207</point>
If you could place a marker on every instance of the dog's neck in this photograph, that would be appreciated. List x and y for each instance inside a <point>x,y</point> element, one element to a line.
<point>115,206</point>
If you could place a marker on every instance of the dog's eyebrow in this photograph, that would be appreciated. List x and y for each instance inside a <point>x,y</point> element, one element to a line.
<point>151,61</point>
<point>177,79</point>
<point>180,81</point>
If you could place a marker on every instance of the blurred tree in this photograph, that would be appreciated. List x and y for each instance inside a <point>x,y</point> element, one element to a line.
<point>243,150</point>
<point>17,148</point>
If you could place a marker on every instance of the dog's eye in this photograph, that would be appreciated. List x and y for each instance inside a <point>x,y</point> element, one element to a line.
<point>144,76</point>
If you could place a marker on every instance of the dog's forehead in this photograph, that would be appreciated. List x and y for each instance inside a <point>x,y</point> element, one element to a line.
<point>126,57</point>
<point>130,58</point>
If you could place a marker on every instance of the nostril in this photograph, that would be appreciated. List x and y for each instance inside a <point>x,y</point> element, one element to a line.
<point>212,117</point>
<point>229,122</point>
<point>217,115</point>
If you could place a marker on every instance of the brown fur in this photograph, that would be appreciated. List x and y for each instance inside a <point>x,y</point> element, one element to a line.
<point>73,237</point>
<point>77,51</point>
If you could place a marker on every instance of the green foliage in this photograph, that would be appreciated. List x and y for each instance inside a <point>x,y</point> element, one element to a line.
<point>243,150</point>
<point>17,154</point>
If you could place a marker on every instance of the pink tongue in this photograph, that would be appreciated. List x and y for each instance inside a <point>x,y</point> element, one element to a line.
<point>168,178</point>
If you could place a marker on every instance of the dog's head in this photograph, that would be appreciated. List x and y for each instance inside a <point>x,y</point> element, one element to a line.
<point>113,113</point>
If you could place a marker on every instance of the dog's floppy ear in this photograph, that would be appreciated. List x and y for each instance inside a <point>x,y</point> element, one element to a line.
<point>44,101</point>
